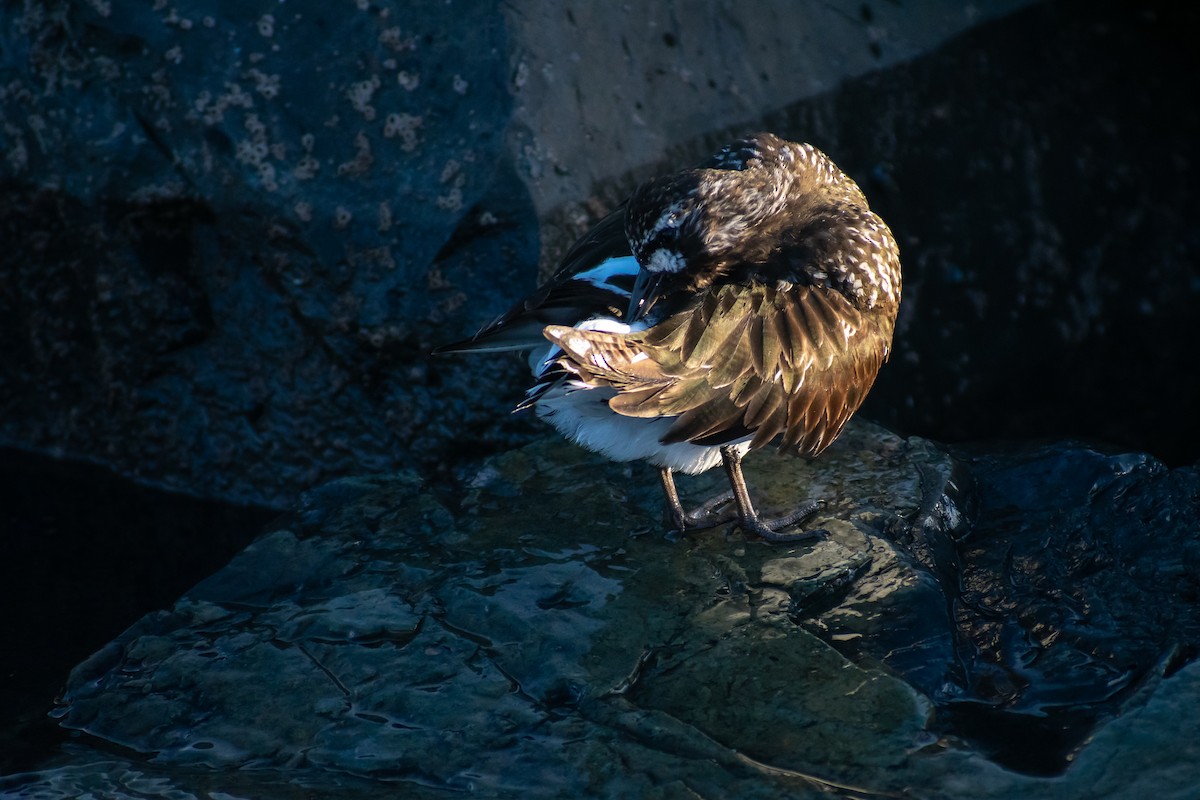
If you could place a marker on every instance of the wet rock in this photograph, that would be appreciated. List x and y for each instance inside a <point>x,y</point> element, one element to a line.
<point>1070,571</point>
<point>517,638</point>
<point>486,648</point>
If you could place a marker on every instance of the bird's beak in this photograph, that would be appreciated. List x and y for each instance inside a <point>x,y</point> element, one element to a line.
<point>645,292</point>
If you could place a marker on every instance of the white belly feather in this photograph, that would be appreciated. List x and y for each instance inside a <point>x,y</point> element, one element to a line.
<point>581,414</point>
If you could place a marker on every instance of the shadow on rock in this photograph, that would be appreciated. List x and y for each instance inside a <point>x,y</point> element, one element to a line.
<point>967,615</point>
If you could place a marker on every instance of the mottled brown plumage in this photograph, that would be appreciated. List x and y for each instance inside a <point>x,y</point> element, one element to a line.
<point>793,363</point>
<point>763,306</point>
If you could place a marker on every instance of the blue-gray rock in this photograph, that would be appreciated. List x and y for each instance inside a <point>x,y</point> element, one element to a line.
<point>233,234</point>
<point>519,639</point>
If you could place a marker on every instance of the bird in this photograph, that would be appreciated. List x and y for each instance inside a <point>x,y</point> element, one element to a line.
<point>748,300</point>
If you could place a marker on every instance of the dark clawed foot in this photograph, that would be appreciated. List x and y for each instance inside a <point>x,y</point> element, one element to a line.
<point>708,515</point>
<point>769,530</point>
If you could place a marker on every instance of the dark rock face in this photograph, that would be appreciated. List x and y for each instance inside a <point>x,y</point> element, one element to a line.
<point>523,641</point>
<point>227,237</point>
<point>231,237</point>
<point>1070,575</point>
<point>1039,173</point>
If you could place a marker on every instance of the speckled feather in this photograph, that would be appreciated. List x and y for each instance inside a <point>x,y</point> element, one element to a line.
<point>778,321</point>
<point>775,291</point>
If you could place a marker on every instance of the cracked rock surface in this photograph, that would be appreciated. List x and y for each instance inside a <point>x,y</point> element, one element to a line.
<point>517,638</point>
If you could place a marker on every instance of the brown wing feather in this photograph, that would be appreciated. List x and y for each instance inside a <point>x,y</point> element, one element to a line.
<point>712,423</point>
<point>767,360</point>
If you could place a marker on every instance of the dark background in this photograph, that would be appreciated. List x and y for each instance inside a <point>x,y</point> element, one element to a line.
<point>182,357</point>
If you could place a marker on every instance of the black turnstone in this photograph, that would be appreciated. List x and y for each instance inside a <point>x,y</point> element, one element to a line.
<point>721,308</point>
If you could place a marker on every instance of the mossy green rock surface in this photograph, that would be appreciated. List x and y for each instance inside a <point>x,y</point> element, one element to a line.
<point>539,635</point>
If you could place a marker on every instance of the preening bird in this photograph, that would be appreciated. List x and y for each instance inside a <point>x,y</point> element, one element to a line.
<point>748,300</point>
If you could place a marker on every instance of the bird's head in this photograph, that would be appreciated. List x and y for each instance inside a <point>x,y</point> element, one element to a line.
<point>689,228</point>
